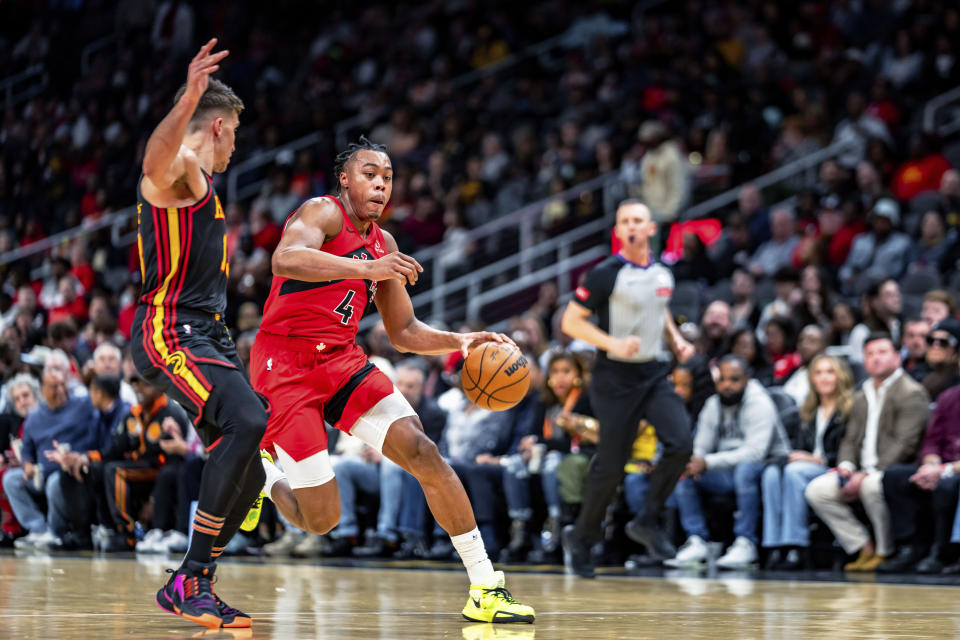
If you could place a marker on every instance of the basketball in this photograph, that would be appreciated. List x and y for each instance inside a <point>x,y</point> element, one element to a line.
<point>496,376</point>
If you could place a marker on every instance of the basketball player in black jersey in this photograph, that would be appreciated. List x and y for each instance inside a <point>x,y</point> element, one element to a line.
<point>180,342</point>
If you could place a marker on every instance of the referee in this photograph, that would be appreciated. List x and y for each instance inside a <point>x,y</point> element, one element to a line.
<point>629,293</point>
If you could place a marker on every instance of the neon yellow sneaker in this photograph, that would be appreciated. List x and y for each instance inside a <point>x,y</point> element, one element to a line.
<point>491,602</point>
<point>253,516</point>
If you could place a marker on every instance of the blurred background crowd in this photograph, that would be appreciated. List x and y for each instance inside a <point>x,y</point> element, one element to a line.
<point>486,108</point>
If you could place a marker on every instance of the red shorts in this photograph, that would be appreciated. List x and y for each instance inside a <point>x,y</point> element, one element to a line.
<point>308,383</point>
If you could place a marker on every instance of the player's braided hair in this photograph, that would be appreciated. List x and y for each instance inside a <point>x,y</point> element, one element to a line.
<point>340,162</point>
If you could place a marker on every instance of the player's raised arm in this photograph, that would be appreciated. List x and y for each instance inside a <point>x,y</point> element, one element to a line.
<point>163,163</point>
<point>408,334</point>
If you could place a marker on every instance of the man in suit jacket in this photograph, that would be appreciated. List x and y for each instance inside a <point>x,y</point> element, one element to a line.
<point>886,425</point>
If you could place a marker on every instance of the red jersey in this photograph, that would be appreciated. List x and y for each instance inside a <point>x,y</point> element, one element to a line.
<point>327,312</point>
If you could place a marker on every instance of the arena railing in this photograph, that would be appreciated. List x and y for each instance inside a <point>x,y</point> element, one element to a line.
<point>521,270</point>
<point>93,48</point>
<point>522,223</point>
<point>939,105</point>
<point>15,88</point>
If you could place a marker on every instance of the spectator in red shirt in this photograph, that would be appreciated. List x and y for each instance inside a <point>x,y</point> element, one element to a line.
<point>921,172</point>
<point>266,233</point>
<point>74,305</point>
<point>837,225</point>
<point>81,268</point>
<point>781,348</point>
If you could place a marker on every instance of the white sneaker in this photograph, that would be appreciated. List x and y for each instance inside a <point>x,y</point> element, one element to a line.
<point>741,554</point>
<point>170,540</point>
<point>45,540</point>
<point>150,542</point>
<point>285,544</point>
<point>310,546</point>
<point>694,552</point>
<point>27,542</point>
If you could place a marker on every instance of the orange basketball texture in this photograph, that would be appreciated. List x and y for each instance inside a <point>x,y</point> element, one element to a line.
<point>495,376</point>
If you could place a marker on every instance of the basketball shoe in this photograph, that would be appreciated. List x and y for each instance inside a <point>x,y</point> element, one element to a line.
<point>253,516</point>
<point>491,602</point>
<point>189,593</point>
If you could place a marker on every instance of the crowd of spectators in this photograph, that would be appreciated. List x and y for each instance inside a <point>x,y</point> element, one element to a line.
<point>681,101</point>
<point>824,312</point>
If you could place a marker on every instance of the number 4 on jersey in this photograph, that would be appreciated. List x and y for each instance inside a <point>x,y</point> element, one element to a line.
<point>344,308</point>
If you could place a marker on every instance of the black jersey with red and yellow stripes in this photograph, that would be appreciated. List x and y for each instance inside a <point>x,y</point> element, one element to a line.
<point>183,254</point>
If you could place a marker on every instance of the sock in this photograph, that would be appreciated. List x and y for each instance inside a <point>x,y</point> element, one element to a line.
<point>474,556</point>
<point>206,528</point>
<point>273,475</point>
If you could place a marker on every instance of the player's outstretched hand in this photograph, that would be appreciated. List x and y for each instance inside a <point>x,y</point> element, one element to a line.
<point>396,266</point>
<point>624,347</point>
<point>202,65</point>
<point>470,341</point>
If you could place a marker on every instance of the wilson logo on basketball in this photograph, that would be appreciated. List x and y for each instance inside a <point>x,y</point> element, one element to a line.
<point>516,366</point>
<point>582,293</point>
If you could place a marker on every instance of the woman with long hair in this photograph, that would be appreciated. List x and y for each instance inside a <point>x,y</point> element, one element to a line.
<point>815,446</point>
<point>566,428</point>
<point>744,343</point>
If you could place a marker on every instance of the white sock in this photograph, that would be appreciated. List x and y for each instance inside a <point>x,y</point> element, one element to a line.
<point>273,474</point>
<point>474,556</point>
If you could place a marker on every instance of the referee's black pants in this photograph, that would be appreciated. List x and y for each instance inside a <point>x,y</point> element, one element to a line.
<point>622,394</point>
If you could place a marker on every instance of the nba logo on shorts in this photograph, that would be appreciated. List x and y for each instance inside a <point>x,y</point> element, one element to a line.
<point>269,364</point>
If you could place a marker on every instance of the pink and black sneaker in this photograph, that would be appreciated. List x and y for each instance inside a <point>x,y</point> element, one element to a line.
<point>189,593</point>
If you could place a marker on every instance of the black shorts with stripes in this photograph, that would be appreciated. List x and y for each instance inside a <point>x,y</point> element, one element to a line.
<point>189,355</point>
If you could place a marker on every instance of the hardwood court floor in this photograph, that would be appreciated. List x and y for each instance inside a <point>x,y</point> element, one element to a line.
<point>101,597</point>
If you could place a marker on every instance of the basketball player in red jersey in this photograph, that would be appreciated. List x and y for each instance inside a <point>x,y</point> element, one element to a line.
<point>180,342</point>
<point>332,261</point>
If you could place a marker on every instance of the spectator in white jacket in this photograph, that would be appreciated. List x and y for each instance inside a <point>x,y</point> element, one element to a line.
<point>665,172</point>
<point>738,433</point>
